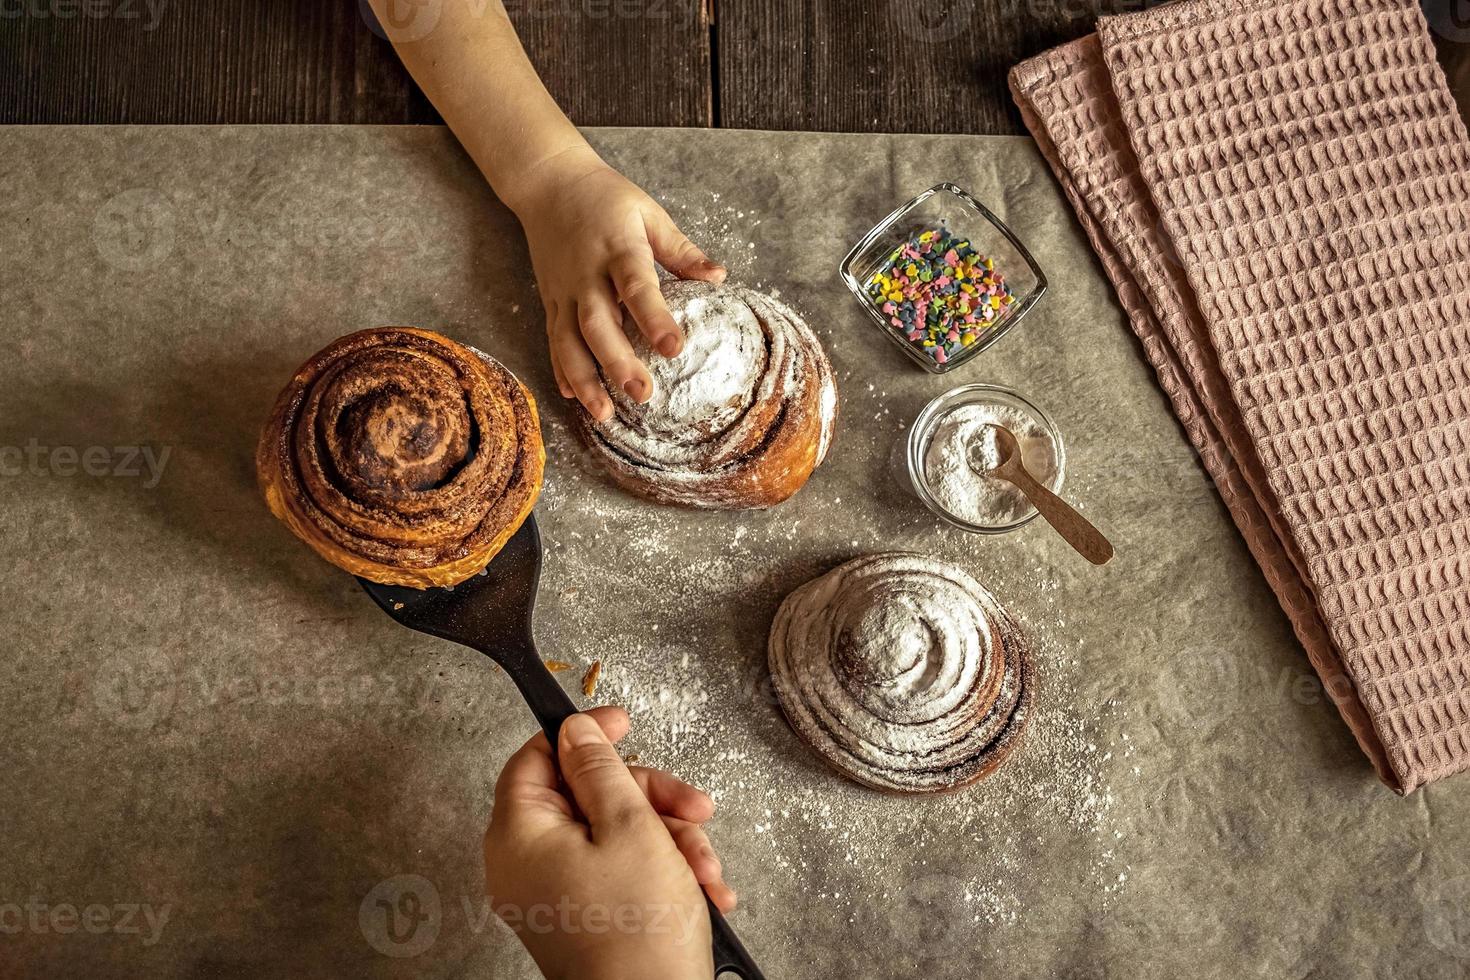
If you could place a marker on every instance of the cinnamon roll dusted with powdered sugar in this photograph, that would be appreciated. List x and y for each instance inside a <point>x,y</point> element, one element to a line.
<point>739,419</point>
<point>903,672</point>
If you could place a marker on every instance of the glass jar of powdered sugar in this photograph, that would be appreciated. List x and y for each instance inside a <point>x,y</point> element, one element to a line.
<point>952,448</point>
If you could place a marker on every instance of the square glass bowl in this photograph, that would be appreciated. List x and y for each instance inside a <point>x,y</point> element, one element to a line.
<point>946,206</point>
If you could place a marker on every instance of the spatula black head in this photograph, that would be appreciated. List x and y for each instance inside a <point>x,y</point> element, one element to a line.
<point>492,613</point>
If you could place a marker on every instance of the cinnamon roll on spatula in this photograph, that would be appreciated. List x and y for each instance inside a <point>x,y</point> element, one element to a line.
<point>739,419</point>
<point>402,456</point>
<point>902,672</point>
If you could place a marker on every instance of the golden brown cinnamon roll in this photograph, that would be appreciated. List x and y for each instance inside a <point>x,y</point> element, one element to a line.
<point>903,672</point>
<point>739,419</point>
<point>402,456</point>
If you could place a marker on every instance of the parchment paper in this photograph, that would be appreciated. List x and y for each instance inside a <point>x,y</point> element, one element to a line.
<point>203,723</point>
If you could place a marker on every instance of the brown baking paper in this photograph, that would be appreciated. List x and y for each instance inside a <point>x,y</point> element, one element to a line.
<point>204,722</point>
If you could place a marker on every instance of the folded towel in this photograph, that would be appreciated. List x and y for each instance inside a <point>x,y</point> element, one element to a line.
<point>1280,194</point>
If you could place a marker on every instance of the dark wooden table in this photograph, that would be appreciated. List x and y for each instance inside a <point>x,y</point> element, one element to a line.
<point>874,66</point>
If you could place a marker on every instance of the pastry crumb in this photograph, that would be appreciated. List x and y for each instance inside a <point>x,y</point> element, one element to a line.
<point>589,680</point>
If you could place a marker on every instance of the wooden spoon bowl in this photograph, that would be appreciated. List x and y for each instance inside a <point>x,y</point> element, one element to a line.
<point>1075,529</point>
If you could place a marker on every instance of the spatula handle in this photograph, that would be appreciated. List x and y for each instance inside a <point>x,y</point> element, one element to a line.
<point>543,694</point>
<point>730,955</point>
<point>551,706</point>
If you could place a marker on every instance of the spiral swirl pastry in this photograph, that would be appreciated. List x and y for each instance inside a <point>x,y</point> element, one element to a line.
<point>903,672</point>
<point>402,456</point>
<point>739,419</point>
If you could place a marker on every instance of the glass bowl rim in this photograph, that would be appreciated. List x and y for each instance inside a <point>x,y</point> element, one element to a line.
<point>1022,307</point>
<point>917,443</point>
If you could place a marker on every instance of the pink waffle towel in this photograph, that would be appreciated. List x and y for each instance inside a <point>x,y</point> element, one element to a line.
<point>1278,192</point>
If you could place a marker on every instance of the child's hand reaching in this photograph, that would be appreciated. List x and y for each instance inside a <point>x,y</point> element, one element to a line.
<point>594,238</point>
<point>594,235</point>
<point>601,877</point>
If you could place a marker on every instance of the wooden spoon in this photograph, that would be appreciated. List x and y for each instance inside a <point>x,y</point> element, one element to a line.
<point>1072,526</point>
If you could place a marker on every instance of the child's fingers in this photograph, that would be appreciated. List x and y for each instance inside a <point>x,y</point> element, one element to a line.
<point>666,793</point>
<point>601,784</point>
<point>703,862</point>
<point>528,785</point>
<point>637,285</point>
<point>722,895</point>
<point>601,321</point>
<point>577,365</point>
<point>673,797</point>
<point>614,721</point>
<point>532,766</point>
<point>677,253</point>
<point>694,844</point>
<point>562,384</point>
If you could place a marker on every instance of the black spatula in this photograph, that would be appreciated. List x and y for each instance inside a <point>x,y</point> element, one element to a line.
<point>492,613</point>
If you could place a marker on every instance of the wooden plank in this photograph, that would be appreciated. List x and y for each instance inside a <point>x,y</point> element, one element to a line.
<point>609,62</point>
<point>622,62</point>
<point>887,66</point>
<point>229,61</point>
<point>1454,57</point>
<point>913,66</point>
<point>891,65</point>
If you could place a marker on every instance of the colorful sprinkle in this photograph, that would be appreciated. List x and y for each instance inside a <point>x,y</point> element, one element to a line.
<point>940,294</point>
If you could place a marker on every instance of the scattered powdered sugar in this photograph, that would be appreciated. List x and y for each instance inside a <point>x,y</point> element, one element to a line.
<point>723,232</point>
<point>964,449</point>
<point>690,665</point>
<point>677,604</point>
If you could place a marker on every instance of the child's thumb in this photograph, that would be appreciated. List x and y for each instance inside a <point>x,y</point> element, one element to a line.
<point>678,254</point>
<point>599,780</point>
